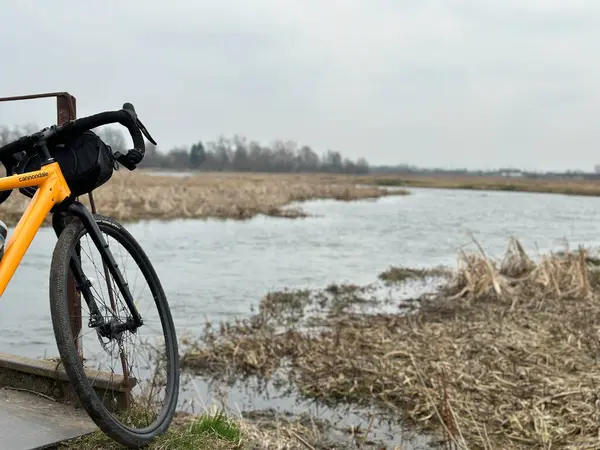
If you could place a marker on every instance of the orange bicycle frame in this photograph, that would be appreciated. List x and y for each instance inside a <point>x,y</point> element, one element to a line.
<point>52,190</point>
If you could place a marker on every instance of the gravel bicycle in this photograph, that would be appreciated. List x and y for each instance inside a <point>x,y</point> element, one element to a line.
<point>54,167</point>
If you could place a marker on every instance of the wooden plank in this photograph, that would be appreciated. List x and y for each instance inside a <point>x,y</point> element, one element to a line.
<point>29,421</point>
<point>48,377</point>
<point>55,370</point>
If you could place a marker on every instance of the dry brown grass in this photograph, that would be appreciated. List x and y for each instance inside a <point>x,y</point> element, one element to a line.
<point>274,430</point>
<point>504,355</point>
<point>254,430</point>
<point>132,196</point>
<point>554,186</point>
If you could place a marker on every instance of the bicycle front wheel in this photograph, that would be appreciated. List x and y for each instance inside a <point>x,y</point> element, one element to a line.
<point>121,392</point>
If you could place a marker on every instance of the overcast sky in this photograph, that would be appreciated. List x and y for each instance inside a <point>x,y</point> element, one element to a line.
<point>476,84</point>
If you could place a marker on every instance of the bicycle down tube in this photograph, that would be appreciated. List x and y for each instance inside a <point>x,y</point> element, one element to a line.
<point>52,189</point>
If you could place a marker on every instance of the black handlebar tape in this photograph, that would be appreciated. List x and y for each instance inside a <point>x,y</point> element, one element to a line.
<point>138,142</point>
<point>87,123</point>
<point>22,144</point>
<point>123,117</point>
<point>105,118</point>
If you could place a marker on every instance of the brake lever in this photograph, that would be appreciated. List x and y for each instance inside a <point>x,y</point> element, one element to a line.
<point>131,110</point>
<point>145,131</point>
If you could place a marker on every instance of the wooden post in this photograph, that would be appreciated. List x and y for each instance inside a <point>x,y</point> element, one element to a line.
<point>66,110</point>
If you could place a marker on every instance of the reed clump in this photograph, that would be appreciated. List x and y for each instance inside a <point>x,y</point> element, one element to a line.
<point>503,354</point>
<point>132,196</point>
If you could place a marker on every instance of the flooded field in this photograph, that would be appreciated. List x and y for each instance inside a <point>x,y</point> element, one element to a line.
<point>215,270</point>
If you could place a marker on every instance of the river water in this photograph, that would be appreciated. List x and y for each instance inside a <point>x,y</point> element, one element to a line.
<point>216,270</point>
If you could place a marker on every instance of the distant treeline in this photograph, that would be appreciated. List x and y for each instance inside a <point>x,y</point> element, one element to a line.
<point>240,154</point>
<point>226,154</point>
<point>243,155</point>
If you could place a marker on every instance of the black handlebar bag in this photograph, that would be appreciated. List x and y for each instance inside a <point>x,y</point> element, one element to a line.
<point>85,160</point>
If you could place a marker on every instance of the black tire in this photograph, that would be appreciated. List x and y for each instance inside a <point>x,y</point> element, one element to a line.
<point>104,419</point>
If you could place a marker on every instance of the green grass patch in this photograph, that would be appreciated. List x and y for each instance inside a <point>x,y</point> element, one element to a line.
<point>208,431</point>
<point>217,425</point>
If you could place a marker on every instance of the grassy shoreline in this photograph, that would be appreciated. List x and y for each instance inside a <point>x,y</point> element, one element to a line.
<point>150,195</point>
<point>134,196</point>
<point>489,183</point>
<point>565,186</point>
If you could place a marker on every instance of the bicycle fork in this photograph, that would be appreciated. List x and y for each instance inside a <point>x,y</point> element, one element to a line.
<point>111,329</point>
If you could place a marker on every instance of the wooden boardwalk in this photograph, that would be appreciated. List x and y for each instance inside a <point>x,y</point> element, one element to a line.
<point>30,421</point>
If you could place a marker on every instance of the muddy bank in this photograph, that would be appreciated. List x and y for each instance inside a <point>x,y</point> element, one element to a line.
<point>503,354</point>
<point>132,196</point>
